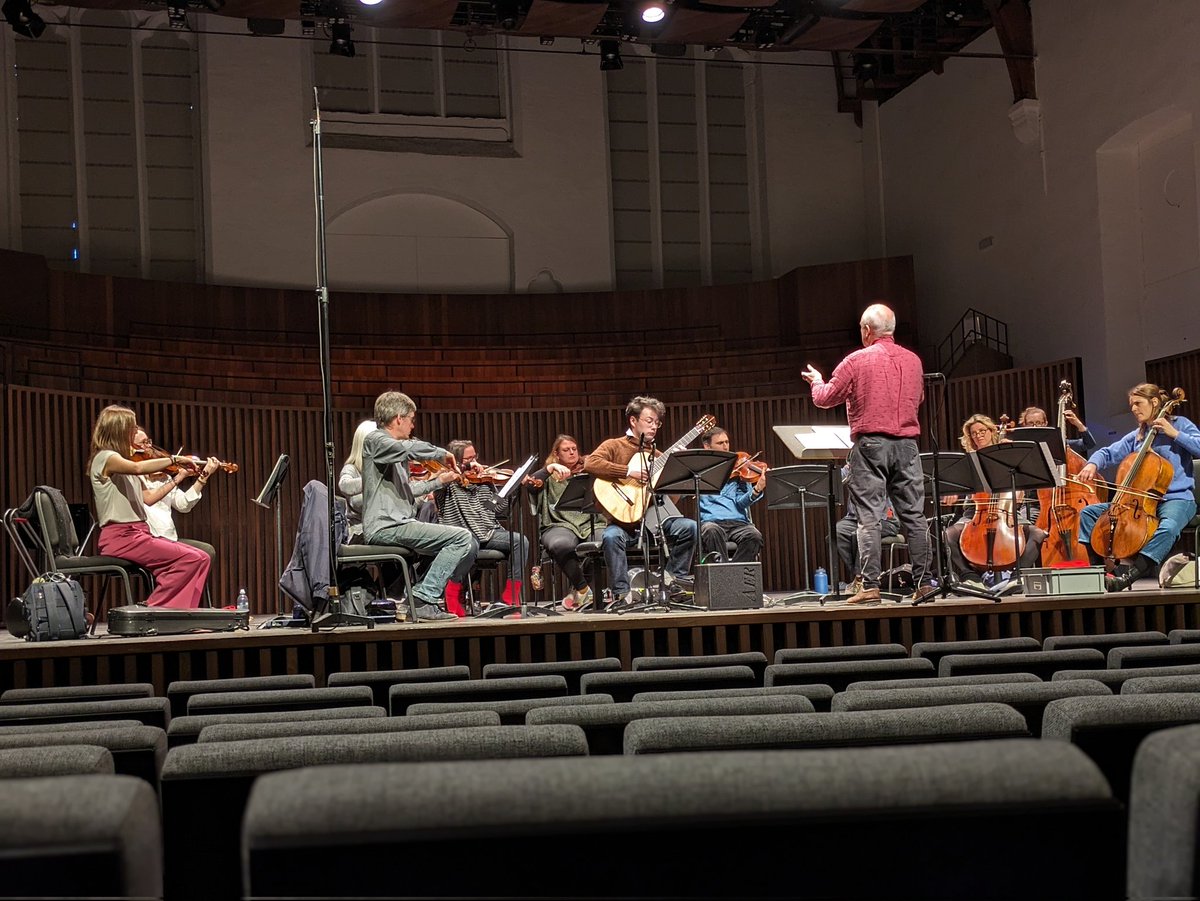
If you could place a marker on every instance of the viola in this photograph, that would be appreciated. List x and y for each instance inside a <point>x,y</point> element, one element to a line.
<point>1142,479</point>
<point>748,468</point>
<point>1059,508</point>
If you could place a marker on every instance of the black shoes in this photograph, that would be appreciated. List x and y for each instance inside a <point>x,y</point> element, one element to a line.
<point>432,613</point>
<point>1126,579</point>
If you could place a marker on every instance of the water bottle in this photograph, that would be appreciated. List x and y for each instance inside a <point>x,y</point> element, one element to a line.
<point>243,601</point>
<point>535,578</point>
<point>821,581</point>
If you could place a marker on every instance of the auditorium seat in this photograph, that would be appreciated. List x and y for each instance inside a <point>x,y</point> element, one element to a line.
<point>80,837</point>
<point>837,674</point>
<point>136,750</point>
<point>1029,698</point>
<point>1184,636</point>
<point>1167,655</point>
<point>605,724</point>
<point>382,680</point>
<point>820,695</point>
<point>511,713</point>
<point>980,679</point>
<point>1041,663</point>
<point>571,670</point>
<point>1109,729</point>
<point>1144,685</point>
<point>1164,817</point>
<point>221,702</point>
<point>846,652</point>
<point>67,727</point>
<point>938,821</point>
<point>756,660</point>
<point>204,786</point>
<point>1115,678</point>
<point>934,651</point>
<point>966,722</point>
<point>1104,643</point>
<point>147,711</point>
<point>623,686</point>
<point>249,731</point>
<point>76,693</point>
<point>401,697</point>
<point>181,690</point>
<point>184,730</point>
<point>62,760</point>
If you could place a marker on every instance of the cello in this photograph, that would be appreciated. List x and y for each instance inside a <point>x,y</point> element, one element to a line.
<point>1059,508</point>
<point>1142,479</point>
<point>993,539</point>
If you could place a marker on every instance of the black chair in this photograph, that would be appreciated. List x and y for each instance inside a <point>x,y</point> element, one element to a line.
<point>1194,523</point>
<point>357,555</point>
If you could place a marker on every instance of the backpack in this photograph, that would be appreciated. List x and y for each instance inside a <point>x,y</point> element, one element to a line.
<point>1178,571</point>
<point>53,608</point>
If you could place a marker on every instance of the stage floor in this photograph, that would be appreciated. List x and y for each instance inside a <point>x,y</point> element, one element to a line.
<point>477,642</point>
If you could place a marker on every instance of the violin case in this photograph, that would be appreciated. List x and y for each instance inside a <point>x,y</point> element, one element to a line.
<point>142,620</point>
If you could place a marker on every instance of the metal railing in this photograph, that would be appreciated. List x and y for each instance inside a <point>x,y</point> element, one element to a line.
<point>973,328</point>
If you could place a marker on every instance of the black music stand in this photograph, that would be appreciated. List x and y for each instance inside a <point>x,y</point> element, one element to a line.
<point>1016,466</point>
<point>804,487</point>
<point>267,498</point>
<point>949,472</point>
<point>689,472</point>
<point>1053,439</point>
<point>578,497</point>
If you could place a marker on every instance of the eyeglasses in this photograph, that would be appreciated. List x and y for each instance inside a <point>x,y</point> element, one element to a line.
<point>653,420</point>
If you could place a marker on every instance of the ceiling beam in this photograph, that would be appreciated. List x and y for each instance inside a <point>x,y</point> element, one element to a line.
<point>1013,22</point>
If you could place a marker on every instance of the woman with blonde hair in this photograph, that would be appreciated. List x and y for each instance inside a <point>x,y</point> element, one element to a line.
<point>179,570</point>
<point>350,484</point>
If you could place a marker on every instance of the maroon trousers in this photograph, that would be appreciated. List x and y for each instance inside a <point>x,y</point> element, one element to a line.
<point>179,570</point>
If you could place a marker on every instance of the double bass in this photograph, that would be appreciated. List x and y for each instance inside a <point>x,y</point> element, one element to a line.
<point>1059,511</point>
<point>1142,479</point>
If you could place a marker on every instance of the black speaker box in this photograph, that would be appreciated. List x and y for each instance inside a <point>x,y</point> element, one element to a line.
<point>729,586</point>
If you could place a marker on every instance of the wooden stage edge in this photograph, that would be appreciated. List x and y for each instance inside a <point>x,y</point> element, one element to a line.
<point>161,660</point>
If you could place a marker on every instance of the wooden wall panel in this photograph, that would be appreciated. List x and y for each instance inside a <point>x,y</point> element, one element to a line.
<point>1179,371</point>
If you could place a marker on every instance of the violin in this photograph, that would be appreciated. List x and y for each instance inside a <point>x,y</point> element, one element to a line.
<point>1059,508</point>
<point>185,463</point>
<point>748,468</point>
<point>1142,479</point>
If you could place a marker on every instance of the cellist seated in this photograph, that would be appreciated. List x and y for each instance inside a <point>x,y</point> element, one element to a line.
<point>978,432</point>
<point>1173,439</point>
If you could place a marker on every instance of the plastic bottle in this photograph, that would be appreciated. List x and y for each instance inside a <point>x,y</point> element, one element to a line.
<point>535,578</point>
<point>821,581</point>
<point>243,601</point>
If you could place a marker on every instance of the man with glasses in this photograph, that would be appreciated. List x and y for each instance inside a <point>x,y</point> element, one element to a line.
<point>626,458</point>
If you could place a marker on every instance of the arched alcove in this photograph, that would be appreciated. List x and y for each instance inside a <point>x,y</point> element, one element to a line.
<point>418,242</point>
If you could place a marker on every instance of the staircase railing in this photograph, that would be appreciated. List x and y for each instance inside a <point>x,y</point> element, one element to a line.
<point>974,328</point>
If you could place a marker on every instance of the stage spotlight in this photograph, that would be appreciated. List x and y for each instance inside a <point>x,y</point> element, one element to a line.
<point>214,6</point>
<point>177,16</point>
<point>507,13</point>
<point>610,56</point>
<point>24,21</point>
<point>764,37</point>
<point>654,12</point>
<point>370,2</point>
<point>341,43</point>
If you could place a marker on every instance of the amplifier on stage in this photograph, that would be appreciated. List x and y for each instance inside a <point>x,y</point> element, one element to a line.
<point>729,586</point>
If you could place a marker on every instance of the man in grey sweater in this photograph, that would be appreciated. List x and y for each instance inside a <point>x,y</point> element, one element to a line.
<point>389,503</point>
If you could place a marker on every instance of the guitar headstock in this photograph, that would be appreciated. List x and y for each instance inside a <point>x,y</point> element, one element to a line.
<point>706,422</point>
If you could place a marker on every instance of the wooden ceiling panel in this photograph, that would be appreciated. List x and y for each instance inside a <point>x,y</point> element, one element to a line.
<point>692,26</point>
<point>407,14</point>
<point>882,6</point>
<point>742,4</point>
<point>834,34</point>
<point>563,19</point>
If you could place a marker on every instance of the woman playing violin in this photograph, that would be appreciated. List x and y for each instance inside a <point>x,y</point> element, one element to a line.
<point>164,493</point>
<point>179,570</point>
<point>978,432</point>
<point>1177,440</point>
<point>725,516</point>
<point>561,531</point>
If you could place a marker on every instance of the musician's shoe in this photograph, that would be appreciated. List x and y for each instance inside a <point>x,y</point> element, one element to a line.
<point>868,597</point>
<point>923,592</point>
<point>432,613</point>
<point>1139,568</point>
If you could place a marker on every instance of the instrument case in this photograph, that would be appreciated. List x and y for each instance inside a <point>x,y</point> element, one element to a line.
<point>142,620</point>
<point>1046,581</point>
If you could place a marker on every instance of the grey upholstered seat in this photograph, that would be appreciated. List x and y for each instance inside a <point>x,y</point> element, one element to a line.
<point>1041,663</point>
<point>62,760</point>
<point>147,711</point>
<point>981,679</point>
<point>837,674</point>
<point>136,750</point>
<point>401,697</point>
<point>934,651</point>
<point>76,693</point>
<point>844,652</point>
<point>283,700</point>
<point>66,727</point>
<point>1109,729</point>
<point>184,730</point>
<point>381,681</point>
<point>605,724</point>
<point>1104,643</point>
<point>1166,655</point>
<point>511,713</point>
<point>819,695</point>
<point>205,785</point>
<point>372,725</point>
<point>1164,817</point>
<point>824,730</point>
<point>935,821</point>
<point>623,686</point>
<point>1183,636</point>
<point>1145,685</point>
<point>80,836</point>
<point>571,670</point>
<point>756,660</point>
<point>1115,678</point>
<point>181,690</point>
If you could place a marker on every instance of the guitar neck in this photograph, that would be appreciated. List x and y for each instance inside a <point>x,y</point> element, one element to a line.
<point>678,445</point>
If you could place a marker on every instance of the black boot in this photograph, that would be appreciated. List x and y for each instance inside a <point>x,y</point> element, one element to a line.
<point>1140,566</point>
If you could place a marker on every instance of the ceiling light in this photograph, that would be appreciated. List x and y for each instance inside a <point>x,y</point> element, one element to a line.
<point>24,21</point>
<point>654,12</point>
<point>610,56</point>
<point>507,14</point>
<point>370,2</point>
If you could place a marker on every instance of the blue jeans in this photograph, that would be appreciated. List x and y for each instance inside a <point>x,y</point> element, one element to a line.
<point>453,551</point>
<point>1173,515</point>
<point>681,539</point>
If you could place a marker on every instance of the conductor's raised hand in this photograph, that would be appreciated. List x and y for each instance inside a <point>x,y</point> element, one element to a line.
<point>811,375</point>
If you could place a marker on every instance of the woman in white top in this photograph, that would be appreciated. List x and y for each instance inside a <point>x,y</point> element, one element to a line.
<point>179,570</point>
<point>350,479</point>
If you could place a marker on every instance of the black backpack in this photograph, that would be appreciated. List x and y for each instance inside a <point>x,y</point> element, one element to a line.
<point>53,608</point>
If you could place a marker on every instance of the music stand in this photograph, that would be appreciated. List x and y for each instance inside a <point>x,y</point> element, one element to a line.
<point>268,497</point>
<point>689,472</point>
<point>803,488</point>
<point>949,472</point>
<point>828,445</point>
<point>1053,439</point>
<point>577,497</point>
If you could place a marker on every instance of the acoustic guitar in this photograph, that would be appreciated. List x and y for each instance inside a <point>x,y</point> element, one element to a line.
<point>625,500</point>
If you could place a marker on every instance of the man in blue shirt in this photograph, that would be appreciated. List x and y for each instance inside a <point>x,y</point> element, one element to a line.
<point>1177,440</point>
<point>725,516</point>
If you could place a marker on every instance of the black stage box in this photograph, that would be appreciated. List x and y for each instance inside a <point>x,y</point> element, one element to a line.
<point>729,586</point>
